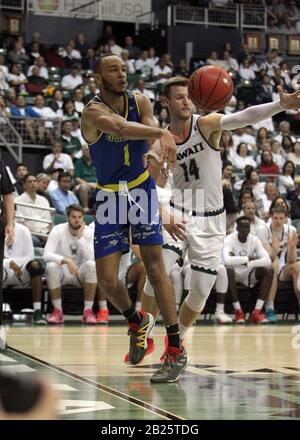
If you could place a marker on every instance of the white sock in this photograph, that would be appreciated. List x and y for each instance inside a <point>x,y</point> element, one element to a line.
<point>270,304</point>
<point>37,305</point>
<point>182,330</point>
<point>237,305</point>
<point>103,304</point>
<point>57,303</point>
<point>88,305</point>
<point>150,334</point>
<point>138,305</point>
<point>259,304</point>
<point>220,307</point>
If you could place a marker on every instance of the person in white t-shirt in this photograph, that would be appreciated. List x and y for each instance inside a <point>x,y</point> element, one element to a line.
<point>39,229</point>
<point>248,263</point>
<point>47,117</point>
<point>69,257</point>
<point>57,159</point>
<point>280,240</point>
<point>161,71</point>
<point>73,79</point>
<point>20,269</point>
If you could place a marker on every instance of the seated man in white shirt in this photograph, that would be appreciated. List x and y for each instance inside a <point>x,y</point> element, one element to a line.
<point>69,257</point>
<point>57,159</point>
<point>20,269</point>
<point>39,229</point>
<point>47,118</point>
<point>280,240</point>
<point>73,79</point>
<point>247,262</point>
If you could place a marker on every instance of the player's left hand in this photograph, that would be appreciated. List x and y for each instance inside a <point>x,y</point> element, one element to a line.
<point>289,100</point>
<point>293,239</point>
<point>154,159</point>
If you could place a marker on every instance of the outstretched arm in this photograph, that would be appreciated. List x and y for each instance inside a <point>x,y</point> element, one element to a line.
<point>251,115</point>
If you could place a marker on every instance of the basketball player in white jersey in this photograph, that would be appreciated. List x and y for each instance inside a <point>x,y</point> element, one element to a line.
<point>247,263</point>
<point>201,231</point>
<point>69,255</point>
<point>280,240</point>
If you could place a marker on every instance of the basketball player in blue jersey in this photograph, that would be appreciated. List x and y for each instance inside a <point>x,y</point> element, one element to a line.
<point>199,170</point>
<point>118,125</point>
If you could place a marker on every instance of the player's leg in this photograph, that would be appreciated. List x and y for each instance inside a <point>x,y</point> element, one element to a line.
<point>88,279</point>
<point>292,271</point>
<point>35,271</point>
<point>221,289</point>
<point>137,275</point>
<point>54,277</point>
<point>270,309</point>
<point>239,314</point>
<point>264,275</point>
<point>103,312</point>
<point>177,282</point>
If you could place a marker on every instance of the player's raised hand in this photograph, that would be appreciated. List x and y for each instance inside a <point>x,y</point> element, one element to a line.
<point>289,100</point>
<point>293,239</point>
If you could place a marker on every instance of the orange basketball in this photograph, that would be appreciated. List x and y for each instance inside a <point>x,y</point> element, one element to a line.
<point>210,88</point>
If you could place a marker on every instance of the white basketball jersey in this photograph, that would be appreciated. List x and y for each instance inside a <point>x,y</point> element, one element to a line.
<point>251,248</point>
<point>198,167</point>
<point>266,234</point>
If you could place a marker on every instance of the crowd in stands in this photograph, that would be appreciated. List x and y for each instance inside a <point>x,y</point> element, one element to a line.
<point>44,90</point>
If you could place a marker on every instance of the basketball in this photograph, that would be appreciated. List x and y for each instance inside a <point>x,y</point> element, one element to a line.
<point>210,88</point>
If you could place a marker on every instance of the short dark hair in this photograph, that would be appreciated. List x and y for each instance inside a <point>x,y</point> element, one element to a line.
<point>98,63</point>
<point>279,209</point>
<point>64,174</point>
<point>74,207</point>
<point>172,82</point>
<point>27,176</point>
<point>21,164</point>
<point>242,218</point>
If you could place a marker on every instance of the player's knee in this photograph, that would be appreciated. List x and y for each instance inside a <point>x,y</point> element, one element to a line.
<point>155,273</point>
<point>52,268</point>
<point>108,283</point>
<point>34,268</point>
<point>195,301</point>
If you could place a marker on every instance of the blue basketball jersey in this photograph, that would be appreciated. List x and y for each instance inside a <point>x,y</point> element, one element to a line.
<point>117,159</point>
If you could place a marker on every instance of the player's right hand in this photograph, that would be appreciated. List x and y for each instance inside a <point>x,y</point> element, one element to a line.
<point>175,228</point>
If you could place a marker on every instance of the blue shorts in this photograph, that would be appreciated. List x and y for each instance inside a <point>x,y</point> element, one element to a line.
<point>118,214</point>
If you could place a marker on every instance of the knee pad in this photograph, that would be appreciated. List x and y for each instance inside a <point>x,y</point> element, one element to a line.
<point>34,268</point>
<point>222,280</point>
<point>201,285</point>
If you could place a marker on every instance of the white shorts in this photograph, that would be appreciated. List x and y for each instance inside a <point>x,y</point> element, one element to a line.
<point>59,275</point>
<point>245,276</point>
<point>10,278</point>
<point>203,244</point>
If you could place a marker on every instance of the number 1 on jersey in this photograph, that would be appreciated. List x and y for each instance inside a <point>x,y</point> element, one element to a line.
<point>126,155</point>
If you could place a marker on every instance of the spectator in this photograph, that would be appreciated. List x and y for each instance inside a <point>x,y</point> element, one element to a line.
<point>62,197</point>
<point>73,79</point>
<point>85,177</point>
<point>106,36</point>
<point>53,184</point>
<point>152,58</point>
<point>268,197</point>
<point>295,155</point>
<point>141,89</point>
<point>246,71</point>
<point>69,110</point>
<point>212,59</point>
<point>241,159</point>
<point>71,52</point>
<point>78,100</point>
<point>272,26</point>
<point>89,60</point>
<point>284,130</point>
<point>286,180</point>
<point>57,159</point>
<point>81,45</point>
<point>277,153</point>
<point>287,144</point>
<point>226,142</point>
<point>92,91</point>
<point>16,78</point>
<point>20,172</point>
<point>142,64</point>
<point>288,28</point>
<point>262,136</point>
<point>114,47</point>
<point>43,183</point>
<point>34,52</point>
<point>18,54</point>
<point>43,71</point>
<point>20,269</point>
<point>56,103</point>
<point>161,71</point>
<point>294,199</point>
<point>269,65</point>
<point>67,56</point>
<point>181,69</point>
<point>133,50</point>
<point>36,84</point>
<point>69,258</point>
<point>71,145</point>
<point>265,90</point>
<point>4,111</point>
<point>267,165</point>
<point>245,196</point>
<point>47,115</point>
<point>25,113</point>
<point>163,118</point>
<point>3,74</point>
<point>127,61</point>
<point>250,211</point>
<point>30,196</point>
<point>229,64</point>
<point>53,59</point>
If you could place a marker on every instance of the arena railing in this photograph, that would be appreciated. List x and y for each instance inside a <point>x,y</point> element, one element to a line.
<point>16,133</point>
<point>34,219</point>
<point>17,5</point>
